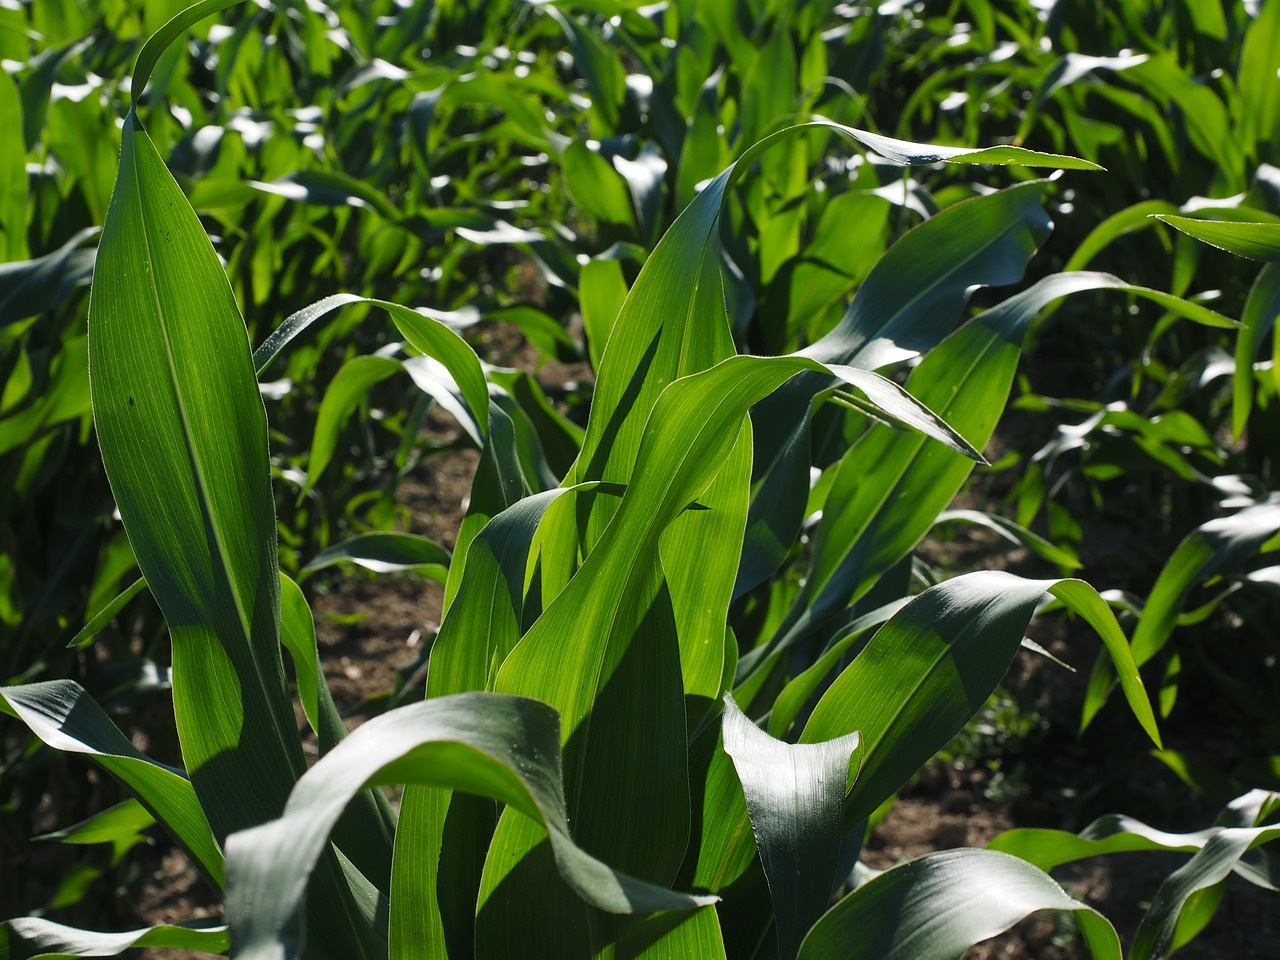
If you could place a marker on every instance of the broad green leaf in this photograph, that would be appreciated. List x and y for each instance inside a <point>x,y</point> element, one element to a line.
<point>795,797</point>
<point>928,670</point>
<point>602,289</point>
<point>1257,241</point>
<point>907,306</point>
<point>385,551</point>
<point>1134,218</point>
<point>506,748</point>
<point>183,437</point>
<point>29,938</point>
<point>1114,833</point>
<point>66,718</point>
<point>365,833</point>
<point>937,907</point>
<point>1218,546</point>
<point>13,179</point>
<point>889,489</point>
<point>484,622</point>
<point>428,331</point>
<point>65,397</point>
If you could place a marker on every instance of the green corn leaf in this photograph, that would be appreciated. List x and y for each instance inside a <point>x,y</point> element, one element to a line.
<point>1260,312</point>
<point>66,718</point>
<point>1209,867</point>
<point>365,833</point>
<point>928,670</point>
<point>1257,241</point>
<point>605,653</point>
<point>183,437</point>
<point>795,797</point>
<point>906,306</point>
<point>602,289</point>
<point>13,180</point>
<point>184,441</point>
<point>64,397</point>
<point>428,331</point>
<point>1013,533</point>
<point>1259,93</point>
<point>596,186</point>
<point>1114,833</point>
<point>1215,547</point>
<point>159,41</point>
<point>100,618</point>
<point>386,551</point>
<point>937,907</point>
<point>1218,546</point>
<point>485,622</point>
<point>29,938</point>
<point>122,821</point>
<point>29,287</point>
<point>791,701</point>
<point>506,748</point>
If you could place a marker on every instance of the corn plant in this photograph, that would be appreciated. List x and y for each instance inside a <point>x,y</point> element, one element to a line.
<point>674,680</point>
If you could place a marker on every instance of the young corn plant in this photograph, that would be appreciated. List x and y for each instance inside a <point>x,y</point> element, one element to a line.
<point>653,725</point>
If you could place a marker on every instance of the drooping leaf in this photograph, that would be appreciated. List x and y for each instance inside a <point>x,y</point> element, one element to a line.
<point>384,551</point>
<point>928,670</point>
<point>937,907</point>
<point>29,938</point>
<point>1209,867</point>
<point>66,718</point>
<point>795,796</point>
<point>506,748</point>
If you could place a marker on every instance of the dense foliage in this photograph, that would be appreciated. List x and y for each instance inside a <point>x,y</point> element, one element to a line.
<point>690,651</point>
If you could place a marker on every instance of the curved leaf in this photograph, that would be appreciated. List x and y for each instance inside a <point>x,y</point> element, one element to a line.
<point>937,907</point>
<point>66,718</point>
<point>384,551</point>
<point>156,44</point>
<point>1210,866</point>
<point>502,747</point>
<point>795,797</point>
<point>33,939</point>
<point>928,670</point>
<point>1257,241</point>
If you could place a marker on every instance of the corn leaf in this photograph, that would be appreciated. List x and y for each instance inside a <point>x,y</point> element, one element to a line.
<point>1209,867</point>
<point>795,797</point>
<point>506,748</point>
<point>384,551</point>
<point>937,907</point>
<point>184,442</point>
<point>29,938</point>
<point>66,718</point>
<point>931,668</point>
<point>1260,312</point>
<point>1257,241</point>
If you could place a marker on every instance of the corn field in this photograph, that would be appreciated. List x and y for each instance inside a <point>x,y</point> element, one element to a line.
<point>830,268</point>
